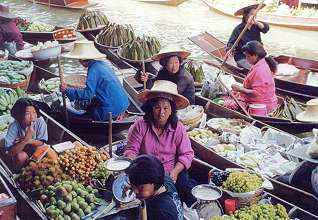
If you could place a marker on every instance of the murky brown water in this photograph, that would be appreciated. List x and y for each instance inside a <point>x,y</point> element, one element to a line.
<point>174,24</point>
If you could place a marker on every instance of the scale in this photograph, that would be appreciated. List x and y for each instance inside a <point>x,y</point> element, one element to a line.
<point>207,204</point>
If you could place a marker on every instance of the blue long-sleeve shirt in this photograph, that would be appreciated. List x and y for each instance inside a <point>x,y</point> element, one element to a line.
<point>104,85</point>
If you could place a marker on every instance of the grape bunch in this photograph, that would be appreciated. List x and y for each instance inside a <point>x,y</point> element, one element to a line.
<point>219,176</point>
<point>259,212</point>
<point>240,181</point>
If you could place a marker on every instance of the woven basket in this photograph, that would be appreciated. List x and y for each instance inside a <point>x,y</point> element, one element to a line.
<point>195,119</point>
<point>247,201</point>
<point>22,85</point>
<point>75,80</point>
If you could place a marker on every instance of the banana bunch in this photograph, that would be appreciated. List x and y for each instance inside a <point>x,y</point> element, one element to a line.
<point>288,109</point>
<point>8,98</point>
<point>92,19</point>
<point>115,35</point>
<point>141,48</point>
<point>196,70</point>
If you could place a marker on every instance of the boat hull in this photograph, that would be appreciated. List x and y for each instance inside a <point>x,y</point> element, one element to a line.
<point>70,4</point>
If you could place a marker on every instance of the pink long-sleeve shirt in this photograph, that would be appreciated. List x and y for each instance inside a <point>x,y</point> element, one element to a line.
<point>10,32</point>
<point>260,79</point>
<point>172,146</point>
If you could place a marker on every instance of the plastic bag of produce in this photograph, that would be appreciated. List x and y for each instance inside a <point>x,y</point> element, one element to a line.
<point>250,135</point>
<point>312,150</point>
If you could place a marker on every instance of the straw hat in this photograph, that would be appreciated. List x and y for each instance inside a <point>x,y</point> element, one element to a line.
<point>171,50</point>
<point>5,12</point>
<point>84,50</point>
<point>247,5</point>
<point>164,89</point>
<point>311,113</point>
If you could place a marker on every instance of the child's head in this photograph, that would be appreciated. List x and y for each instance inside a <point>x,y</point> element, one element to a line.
<point>146,176</point>
<point>25,111</point>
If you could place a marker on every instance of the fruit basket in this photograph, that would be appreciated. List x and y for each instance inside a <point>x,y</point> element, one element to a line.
<point>65,35</point>
<point>47,53</point>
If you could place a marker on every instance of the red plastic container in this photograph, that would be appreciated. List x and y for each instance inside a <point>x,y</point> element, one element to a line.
<point>229,205</point>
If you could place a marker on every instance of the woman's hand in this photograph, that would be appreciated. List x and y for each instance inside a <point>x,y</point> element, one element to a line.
<point>63,87</point>
<point>174,175</point>
<point>236,88</point>
<point>144,76</point>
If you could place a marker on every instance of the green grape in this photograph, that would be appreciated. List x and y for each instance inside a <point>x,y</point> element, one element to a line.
<point>239,181</point>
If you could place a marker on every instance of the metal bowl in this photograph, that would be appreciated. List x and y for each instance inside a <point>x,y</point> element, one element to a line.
<point>117,164</point>
<point>47,53</point>
<point>206,192</point>
<point>121,189</point>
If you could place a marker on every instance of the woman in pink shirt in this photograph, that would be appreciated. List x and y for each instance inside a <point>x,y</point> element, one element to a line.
<point>159,133</point>
<point>259,85</point>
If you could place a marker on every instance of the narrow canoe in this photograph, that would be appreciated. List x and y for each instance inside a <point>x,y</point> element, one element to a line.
<point>310,24</point>
<point>302,85</point>
<point>70,4</point>
<point>164,2</point>
<point>33,37</point>
<point>284,191</point>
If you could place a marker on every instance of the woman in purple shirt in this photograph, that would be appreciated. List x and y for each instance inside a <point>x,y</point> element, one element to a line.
<point>159,133</point>
<point>10,35</point>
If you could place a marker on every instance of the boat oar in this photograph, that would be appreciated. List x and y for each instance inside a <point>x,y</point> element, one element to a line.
<point>110,134</point>
<point>144,72</point>
<point>63,94</point>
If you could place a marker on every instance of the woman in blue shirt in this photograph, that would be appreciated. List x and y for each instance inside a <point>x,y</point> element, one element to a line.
<point>102,85</point>
<point>26,133</point>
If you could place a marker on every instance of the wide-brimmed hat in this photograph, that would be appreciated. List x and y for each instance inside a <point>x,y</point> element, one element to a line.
<point>164,89</point>
<point>5,12</point>
<point>247,5</point>
<point>311,113</point>
<point>171,50</point>
<point>84,50</point>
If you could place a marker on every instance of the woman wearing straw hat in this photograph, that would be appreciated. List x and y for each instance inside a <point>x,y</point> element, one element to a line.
<point>159,133</point>
<point>170,58</point>
<point>10,35</point>
<point>253,32</point>
<point>103,88</point>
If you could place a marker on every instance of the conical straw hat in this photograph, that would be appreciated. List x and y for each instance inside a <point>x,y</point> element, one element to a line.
<point>246,5</point>
<point>311,113</point>
<point>84,50</point>
<point>171,50</point>
<point>164,89</point>
<point>5,12</point>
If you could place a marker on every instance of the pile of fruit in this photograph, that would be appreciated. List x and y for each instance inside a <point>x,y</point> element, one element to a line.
<point>257,211</point>
<point>288,109</point>
<point>22,24</point>
<point>11,72</point>
<point>45,45</point>
<point>219,176</point>
<point>242,181</point>
<point>115,35</point>
<point>141,48</point>
<point>195,69</point>
<point>50,85</point>
<point>3,127</point>
<point>69,200</point>
<point>38,176</point>
<point>40,27</point>
<point>91,19</point>
<point>202,135</point>
<point>8,98</point>
<point>100,175</point>
<point>81,161</point>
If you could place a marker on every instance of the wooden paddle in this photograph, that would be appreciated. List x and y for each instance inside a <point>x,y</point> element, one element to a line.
<point>63,94</point>
<point>230,51</point>
<point>110,134</point>
<point>144,72</point>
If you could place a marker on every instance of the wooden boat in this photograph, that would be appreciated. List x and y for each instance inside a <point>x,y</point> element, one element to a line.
<point>33,37</point>
<point>308,201</point>
<point>164,2</point>
<point>90,34</point>
<point>310,24</point>
<point>86,128</point>
<point>70,4</point>
<point>297,86</point>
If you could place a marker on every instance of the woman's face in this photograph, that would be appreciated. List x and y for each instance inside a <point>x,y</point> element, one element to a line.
<point>30,115</point>
<point>144,191</point>
<point>252,59</point>
<point>173,65</point>
<point>161,111</point>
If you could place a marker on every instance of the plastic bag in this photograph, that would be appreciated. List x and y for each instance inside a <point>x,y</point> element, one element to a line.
<point>189,213</point>
<point>312,150</point>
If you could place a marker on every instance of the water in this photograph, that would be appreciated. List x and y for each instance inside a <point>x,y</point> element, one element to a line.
<point>174,24</point>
